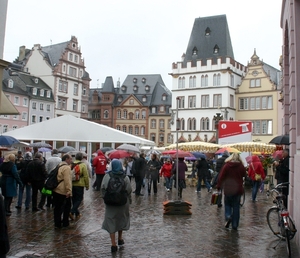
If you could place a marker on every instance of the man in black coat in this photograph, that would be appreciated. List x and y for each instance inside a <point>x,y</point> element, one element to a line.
<point>37,175</point>
<point>4,241</point>
<point>219,164</point>
<point>139,173</point>
<point>282,172</point>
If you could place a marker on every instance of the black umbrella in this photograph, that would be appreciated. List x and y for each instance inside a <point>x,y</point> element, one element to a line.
<point>281,140</point>
<point>6,140</point>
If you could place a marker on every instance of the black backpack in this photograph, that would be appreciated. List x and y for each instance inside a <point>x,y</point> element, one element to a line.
<point>116,194</point>
<point>51,181</point>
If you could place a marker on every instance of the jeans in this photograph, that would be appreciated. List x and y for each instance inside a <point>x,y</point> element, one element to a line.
<point>77,197</point>
<point>255,187</point>
<point>28,195</point>
<point>232,209</point>
<point>62,207</point>
<point>207,184</point>
<point>169,182</point>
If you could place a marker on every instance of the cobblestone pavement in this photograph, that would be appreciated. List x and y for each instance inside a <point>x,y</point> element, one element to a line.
<point>152,234</point>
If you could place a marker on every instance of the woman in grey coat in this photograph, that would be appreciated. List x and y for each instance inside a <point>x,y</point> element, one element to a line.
<point>116,218</point>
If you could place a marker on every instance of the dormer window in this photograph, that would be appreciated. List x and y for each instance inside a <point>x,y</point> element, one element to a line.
<point>34,91</point>
<point>135,87</point>
<point>147,88</point>
<point>216,49</point>
<point>144,99</point>
<point>48,93</point>
<point>42,93</point>
<point>123,88</point>
<point>134,80</point>
<point>36,80</point>
<point>207,31</point>
<point>143,80</point>
<point>195,51</point>
<point>164,97</point>
<point>10,83</point>
<point>120,99</point>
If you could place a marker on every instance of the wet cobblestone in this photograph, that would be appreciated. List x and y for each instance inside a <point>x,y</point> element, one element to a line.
<point>152,234</point>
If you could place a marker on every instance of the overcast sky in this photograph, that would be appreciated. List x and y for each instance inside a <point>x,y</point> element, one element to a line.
<point>122,37</point>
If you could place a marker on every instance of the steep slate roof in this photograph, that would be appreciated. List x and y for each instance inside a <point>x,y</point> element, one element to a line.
<point>54,52</point>
<point>108,85</point>
<point>274,73</point>
<point>156,89</point>
<point>23,83</point>
<point>219,35</point>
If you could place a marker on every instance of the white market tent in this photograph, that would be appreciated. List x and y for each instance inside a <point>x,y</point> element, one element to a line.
<point>71,129</point>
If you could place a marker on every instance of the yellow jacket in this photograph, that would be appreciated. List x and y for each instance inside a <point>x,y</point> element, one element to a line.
<point>65,178</point>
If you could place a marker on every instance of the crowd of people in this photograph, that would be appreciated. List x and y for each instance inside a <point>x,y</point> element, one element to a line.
<point>29,171</point>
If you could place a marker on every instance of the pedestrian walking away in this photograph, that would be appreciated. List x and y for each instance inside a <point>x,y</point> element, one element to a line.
<point>99,163</point>
<point>116,218</point>
<point>257,174</point>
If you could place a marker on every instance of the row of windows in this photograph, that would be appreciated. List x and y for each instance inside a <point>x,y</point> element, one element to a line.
<point>62,104</point>
<point>138,114</point>
<point>161,137</point>
<point>4,128</point>
<point>63,87</point>
<point>132,130</point>
<point>192,100</point>
<point>262,127</point>
<point>41,106</point>
<point>16,117</point>
<point>204,81</point>
<point>192,124</point>
<point>41,92</point>
<point>19,101</point>
<point>256,103</point>
<point>161,124</point>
<point>35,119</point>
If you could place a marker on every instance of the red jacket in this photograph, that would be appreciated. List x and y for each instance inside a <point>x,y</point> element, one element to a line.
<point>256,167</point>
<point>99,163</point>
<point>166,170</point>
<point>231,178</point>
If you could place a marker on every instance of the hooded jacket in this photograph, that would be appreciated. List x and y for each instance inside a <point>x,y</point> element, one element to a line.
<point>99,163</point>
<point>231,178</point>
<point>256,167</point>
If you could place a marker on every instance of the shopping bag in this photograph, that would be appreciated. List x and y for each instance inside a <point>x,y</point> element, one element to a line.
<point>46,191</point>
<point>215,198</point>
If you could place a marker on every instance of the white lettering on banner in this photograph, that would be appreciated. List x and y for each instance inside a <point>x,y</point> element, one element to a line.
<point>244,127</point>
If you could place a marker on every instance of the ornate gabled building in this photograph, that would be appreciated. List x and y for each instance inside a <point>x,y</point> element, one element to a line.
<point>257,99</point>
<point>140,106</point>
<point>205,81</point>
<point>61,66</point>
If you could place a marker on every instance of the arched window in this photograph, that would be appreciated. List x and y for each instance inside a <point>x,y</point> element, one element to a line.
<point>124,128</point>
<point>215,80</point>
<point>136,130</point>
<point>106,114</point>
<point>191,82</point>
<point>179,83</point>
<point>118,127</point>
<point>153,123</point>
<point>124,114</point>
<point>182,124</point>
<point>194,124</point>
<point>137,114</point>
<point>161,124</point>
<point>143,130</point>
<point>207,124</point>
<point>204,80</point>
<point>183,82</point>
<point>130,129</point>
<point>189,124</point>
<point>119,114</point>
<point>219,79</point>
<point>202,124</point>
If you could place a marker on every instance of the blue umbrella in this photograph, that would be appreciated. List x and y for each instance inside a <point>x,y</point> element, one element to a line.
<point>6,140</point>
<point>43,149</point>
<point>199,155</point>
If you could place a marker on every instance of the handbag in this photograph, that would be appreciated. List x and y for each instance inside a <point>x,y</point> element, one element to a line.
<point>257,177</point>
<point>216,198</point>
<point>46,191</point>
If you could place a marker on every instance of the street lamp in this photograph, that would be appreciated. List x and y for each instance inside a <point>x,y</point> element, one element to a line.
<point>217,119</point>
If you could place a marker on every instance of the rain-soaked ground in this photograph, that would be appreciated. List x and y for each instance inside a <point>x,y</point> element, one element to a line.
<point>152,234</point>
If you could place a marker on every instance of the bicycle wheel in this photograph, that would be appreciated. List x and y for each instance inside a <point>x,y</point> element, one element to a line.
<point>242,200</point>
<point>288,244</point>
<point>274,222</point>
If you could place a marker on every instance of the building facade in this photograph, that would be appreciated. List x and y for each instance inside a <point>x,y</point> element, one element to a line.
<point>290,18</point>
<point>205,81</point>
<point>257,99</point>
<point>61,66</point>
<point>30,95</point>
<point>139,106</point>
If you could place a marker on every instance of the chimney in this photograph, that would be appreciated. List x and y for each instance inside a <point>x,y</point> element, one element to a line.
<point>21,53</point>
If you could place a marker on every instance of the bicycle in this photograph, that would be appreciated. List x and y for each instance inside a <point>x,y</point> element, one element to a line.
<point>279,221</point>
